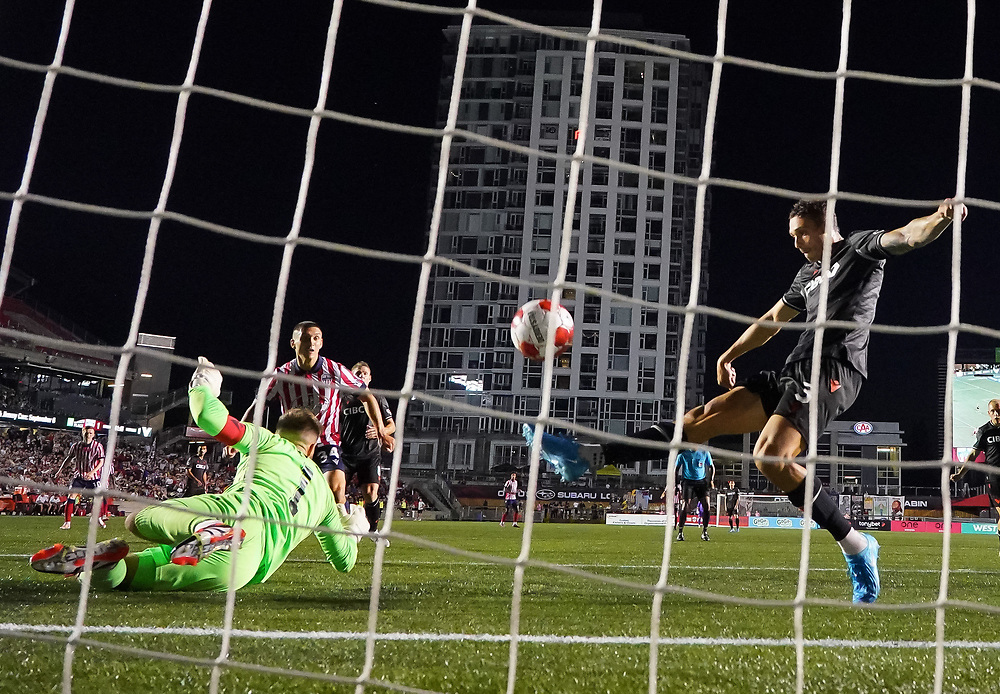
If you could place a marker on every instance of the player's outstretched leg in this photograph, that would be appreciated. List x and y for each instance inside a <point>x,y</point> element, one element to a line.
<point>207,537</point>
<point>568,458</point>
<point>69,560</point>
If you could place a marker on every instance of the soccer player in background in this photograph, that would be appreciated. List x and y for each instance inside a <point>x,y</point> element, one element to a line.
<point>510,499</point>
<point>732,506</point>
<point>197,472</point>
<point>988,443</point>
<point>361,449</point>
<point>88,463</point>
<point>692,469</point>
<point>323,399</point>
<point>778,404</point>
<point>194,549</point>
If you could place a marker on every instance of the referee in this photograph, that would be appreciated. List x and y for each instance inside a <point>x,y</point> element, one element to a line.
<point>693,469</point>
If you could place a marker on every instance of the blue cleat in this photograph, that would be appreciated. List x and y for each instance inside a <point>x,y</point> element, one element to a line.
<point>863,570</point>
<point>562,454</point>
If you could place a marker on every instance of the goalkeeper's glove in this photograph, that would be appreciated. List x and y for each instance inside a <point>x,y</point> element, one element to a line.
<point>207,375</point>
<point>357,523</point>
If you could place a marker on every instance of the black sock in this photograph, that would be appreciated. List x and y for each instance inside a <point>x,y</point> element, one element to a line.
<point>824,511</point>
<point>373,514</point>
<point>730,522</point>
<point>618,453</point>
<point>705,515</point>
<point>684,517</point>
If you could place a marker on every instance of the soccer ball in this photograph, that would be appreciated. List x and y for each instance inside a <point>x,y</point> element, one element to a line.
<point>529,329</point>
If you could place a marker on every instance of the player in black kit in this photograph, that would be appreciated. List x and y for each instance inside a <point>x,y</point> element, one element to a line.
<point>988,443</point>
<point>197,474</point>
<point>360,448</point>
<point>732,500</point>
<point>778,404</point>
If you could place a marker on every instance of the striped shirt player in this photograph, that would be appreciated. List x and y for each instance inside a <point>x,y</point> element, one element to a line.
<point>510,499</point>
<point>87,456</point>
<point>322,396</point>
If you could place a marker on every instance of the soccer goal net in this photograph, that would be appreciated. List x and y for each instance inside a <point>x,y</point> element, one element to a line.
<point>572,161</point>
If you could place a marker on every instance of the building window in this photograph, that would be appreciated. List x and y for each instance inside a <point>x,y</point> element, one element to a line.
<point>461,455</point>
<point>621,315</point>
<point>647,341</point>
<point>420,454</point>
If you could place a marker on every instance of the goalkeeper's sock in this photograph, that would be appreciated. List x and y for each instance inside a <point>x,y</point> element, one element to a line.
<point>825,512</point>
<point>617,453</point>
<point>373,513</point>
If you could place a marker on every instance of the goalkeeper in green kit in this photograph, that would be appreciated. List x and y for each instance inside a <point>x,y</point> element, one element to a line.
<point>194,550</point>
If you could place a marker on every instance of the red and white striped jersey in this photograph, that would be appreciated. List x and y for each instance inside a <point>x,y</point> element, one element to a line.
<point>322,396</point>
<point>510,490</point>
<point>88,459</point>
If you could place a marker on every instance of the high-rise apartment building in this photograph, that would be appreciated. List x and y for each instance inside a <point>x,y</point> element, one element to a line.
<point>503,212</point>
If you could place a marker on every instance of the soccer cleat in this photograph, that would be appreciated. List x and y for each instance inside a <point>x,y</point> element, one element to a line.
<point>680,536</point>
<point>65,526</point>
<point>100,522</point>
<point>208,536</point>
<point>704,535</point>
<point>376,537</point>
<point>516,525</point>
<point>732,530</point>
<point>501,524</point>
<point>569,459</point>
<point>863,570</point>
<point>68,561</point>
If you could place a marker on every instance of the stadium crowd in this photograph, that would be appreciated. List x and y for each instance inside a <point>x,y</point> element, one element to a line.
<point>34,455</point>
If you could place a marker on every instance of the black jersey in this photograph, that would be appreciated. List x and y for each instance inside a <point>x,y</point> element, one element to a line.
<point>198,468</point>
<point>855,282</point>
<point>732,496</point>
<point>353,424</point>
<point>988,442</point>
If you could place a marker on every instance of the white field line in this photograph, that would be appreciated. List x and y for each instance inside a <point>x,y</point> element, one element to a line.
<point>494,638</point>
<point>688,567</point>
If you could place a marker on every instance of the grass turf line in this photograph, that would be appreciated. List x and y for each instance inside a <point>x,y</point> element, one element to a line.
<point>430,591</point>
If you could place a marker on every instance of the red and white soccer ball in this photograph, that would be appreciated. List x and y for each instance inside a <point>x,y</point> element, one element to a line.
<point>529,329</point>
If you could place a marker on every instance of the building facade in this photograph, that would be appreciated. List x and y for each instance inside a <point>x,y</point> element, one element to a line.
<point>870,441</point>
<point>503,213</point>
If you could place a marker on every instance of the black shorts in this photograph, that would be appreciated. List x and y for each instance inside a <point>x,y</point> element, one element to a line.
<point>194,489</point>
<point>80,483</point>
<point>788,394</point>
<point>694,489</point>
<point>731,510</point>
<point>368,469</point>
<point>327,457</point>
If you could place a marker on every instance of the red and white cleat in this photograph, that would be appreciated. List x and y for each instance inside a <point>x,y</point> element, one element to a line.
<point>68,561</point>
<point>209,536</point>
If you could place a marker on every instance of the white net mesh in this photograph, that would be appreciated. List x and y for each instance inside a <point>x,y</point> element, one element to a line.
<point>219,659</point>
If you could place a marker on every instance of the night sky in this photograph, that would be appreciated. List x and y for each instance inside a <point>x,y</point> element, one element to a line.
<point>240,167</point>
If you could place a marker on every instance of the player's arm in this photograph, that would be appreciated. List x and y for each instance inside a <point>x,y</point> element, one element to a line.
<point>960,472</point>
<point>711,466</point>
<point>922,230</point>
<point>370,403</point>
<point>752,338</point>
<point>212,416</point>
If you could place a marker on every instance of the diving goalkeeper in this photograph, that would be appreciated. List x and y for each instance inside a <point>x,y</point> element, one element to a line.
<point>194,551</point>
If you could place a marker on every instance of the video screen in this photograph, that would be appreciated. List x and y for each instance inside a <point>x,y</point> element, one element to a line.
<point>973,386</point>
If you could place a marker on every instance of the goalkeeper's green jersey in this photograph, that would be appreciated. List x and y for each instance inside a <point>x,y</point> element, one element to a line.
<point>287,486</point>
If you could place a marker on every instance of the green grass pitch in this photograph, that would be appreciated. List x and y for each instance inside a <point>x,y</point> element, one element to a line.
<point>431,592</point>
